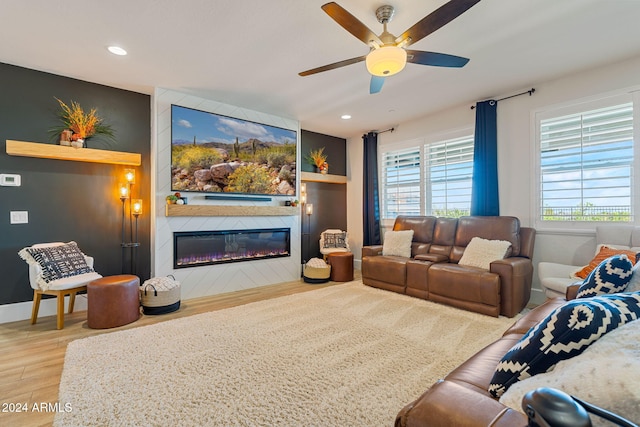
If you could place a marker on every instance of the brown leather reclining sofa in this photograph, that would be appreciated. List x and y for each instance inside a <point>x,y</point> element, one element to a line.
<point>462,398</point>
<point>433,272</point>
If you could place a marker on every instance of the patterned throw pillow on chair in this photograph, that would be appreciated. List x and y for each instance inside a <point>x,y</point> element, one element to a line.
<point>611,276</point>
<point>57,262</point>
<point>563,334</point>
<point>335,240</point>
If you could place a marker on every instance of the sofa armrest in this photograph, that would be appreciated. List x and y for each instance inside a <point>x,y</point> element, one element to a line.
<point>372,250</point>
<point>516,275</point>
<point>553,269</point>
<point>447,404</point>
<point>572,291</point>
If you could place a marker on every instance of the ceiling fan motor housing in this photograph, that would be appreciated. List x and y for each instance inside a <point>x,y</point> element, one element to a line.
<point>385,14</point>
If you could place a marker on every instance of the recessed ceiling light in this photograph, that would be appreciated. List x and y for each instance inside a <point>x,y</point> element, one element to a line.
<point>345,116</point>
<point>116,50</point>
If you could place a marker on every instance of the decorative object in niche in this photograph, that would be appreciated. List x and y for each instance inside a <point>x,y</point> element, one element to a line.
<point>318,158</point>
<point>173,199</point>
<point>78,126</point>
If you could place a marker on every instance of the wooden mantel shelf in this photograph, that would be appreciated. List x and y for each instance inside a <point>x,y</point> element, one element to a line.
<point>319,177</point>
<point>61,152</point>
<point>222,210</point>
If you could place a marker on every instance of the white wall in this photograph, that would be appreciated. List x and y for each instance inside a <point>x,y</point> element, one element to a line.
<point>215,279</point>
<point>516,153</point>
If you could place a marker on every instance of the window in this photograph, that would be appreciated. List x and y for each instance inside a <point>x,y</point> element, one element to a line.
<point>431,179</point>
<point>401,183</point>
<point>586,165</point>
<point>449,169</point>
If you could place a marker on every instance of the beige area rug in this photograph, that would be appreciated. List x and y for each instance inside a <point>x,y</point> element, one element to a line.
<point>346,355</point>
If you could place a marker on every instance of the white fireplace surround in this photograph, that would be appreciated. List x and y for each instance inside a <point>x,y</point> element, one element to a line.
<point>214,279</point>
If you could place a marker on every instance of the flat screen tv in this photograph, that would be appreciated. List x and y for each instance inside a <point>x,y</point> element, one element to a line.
<point>211,153</point>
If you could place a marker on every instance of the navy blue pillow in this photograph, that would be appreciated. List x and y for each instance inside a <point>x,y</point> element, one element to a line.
<point>610,276</point>
<point>564,333</point>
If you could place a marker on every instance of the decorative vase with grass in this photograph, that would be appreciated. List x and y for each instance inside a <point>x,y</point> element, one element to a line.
<point>78,126</point>
<point>318,158</point>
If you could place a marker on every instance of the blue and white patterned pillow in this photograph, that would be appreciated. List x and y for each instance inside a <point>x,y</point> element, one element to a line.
<point>563,334</point>
<point>610,276</point>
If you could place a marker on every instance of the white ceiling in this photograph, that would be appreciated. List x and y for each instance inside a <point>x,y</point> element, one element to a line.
<point>248,52</point>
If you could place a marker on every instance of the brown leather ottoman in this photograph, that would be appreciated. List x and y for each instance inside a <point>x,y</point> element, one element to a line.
<point>341,266</point>
<point>113,301</point>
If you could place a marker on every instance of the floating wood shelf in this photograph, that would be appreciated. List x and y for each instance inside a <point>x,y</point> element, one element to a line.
<point>222,210</point>
<point>319,177</point>
<point>61,152</point>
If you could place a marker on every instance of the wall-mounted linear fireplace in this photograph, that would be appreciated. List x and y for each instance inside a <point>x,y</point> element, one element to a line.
<point>197,248</point>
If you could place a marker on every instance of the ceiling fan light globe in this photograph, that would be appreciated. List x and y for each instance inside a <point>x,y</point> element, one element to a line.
<point>386,61</point>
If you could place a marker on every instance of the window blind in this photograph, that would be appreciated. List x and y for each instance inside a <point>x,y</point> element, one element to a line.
<point>449,170</point>
<point>586,165</point>
<point>401,183</point>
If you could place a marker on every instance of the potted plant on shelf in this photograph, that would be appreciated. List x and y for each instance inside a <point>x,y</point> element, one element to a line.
<point>78,125</point>
<point>318,158</point>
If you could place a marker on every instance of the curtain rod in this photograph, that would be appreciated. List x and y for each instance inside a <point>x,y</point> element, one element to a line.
<point>530,92</point>
<point>383,131</point>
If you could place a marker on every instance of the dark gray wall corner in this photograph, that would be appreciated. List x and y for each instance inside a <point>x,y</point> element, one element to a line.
<point>68,200</point>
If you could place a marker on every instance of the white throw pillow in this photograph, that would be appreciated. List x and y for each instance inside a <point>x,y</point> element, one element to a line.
<point>634,283</point>
<point>480,252</point>
<point>397,243</point>
<point>606,374</point>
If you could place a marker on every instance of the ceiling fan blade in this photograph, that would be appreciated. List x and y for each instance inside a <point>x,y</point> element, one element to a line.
<point>333,66</point>
<point>376,84</point>
<point>435,59</point>
<point>350,23</point>
<point>435,20</point>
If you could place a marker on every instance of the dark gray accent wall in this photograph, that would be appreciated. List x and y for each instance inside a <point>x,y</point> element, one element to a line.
<point>68,200</point>
<point>329,211</point>
<point>334,147</point>
<point>329,200</point>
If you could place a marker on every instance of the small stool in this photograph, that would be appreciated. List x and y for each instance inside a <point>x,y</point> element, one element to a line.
<point>113,301</point>
<point>341,266</point>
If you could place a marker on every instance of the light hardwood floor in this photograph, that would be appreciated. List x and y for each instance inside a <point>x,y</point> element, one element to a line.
<point>32,356</point>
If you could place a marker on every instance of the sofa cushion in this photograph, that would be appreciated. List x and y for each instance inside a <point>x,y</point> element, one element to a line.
<point>422,226</point>
<point>397,243</point>
<point>387,269</point>
<point>614,388</point>
<point>457,283</point>
<point>564,333</point>
<point>481,252</point>
<point>611,276</point>
<point>603,253</point>
<point>488,227</point>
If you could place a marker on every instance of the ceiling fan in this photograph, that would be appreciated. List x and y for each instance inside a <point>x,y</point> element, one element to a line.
<point>389,54</point>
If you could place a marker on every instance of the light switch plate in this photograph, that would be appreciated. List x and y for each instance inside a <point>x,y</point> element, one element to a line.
<point>19,217</point>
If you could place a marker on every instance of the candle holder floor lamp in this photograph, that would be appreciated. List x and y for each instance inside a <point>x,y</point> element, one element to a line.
<point>134,211</point>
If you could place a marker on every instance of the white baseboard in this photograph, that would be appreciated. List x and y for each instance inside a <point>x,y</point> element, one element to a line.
<point>48,307</point>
